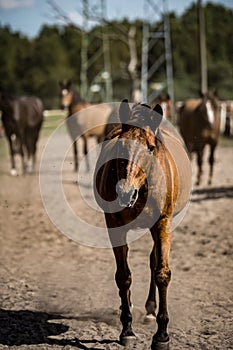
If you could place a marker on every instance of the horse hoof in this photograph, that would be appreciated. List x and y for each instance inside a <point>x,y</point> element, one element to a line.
<point>150,318</point>
<point>158,345</point>
<point>13,172</point>
<point>127,339</point>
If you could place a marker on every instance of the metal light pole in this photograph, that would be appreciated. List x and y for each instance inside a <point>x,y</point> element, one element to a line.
<point>202,46</point>
<point>84,58</point>
<point>149,40</point>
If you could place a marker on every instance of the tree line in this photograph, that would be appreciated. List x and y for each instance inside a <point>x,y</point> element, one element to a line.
<point>35,66</point>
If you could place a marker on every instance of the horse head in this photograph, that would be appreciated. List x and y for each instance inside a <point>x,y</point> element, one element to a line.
<point>167,105</point>
<point>66,94</point>
<point>209,105</point>
<point>136,147</point>
<point>70,99</point>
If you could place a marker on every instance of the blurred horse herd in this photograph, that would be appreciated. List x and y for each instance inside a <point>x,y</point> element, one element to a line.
<point>199,121</point>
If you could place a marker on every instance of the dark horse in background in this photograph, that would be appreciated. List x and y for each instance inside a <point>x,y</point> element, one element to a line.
<point>143,179</point>
<point>22,118</point>
<point>199,123</point>
<point>87,119</point>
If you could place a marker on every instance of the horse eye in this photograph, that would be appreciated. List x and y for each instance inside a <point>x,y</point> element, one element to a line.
<point>151,149</point>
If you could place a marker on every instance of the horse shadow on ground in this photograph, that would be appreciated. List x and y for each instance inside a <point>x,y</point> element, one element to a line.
<point>26,327</point>
<point>212,193</point>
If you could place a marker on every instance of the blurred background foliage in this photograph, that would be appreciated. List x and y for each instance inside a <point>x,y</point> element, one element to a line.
<point>35,66</point>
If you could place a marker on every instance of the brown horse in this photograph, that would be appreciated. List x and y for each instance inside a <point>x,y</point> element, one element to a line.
<point>167,106</point>
<point>199,124</point>
<point>22,118</point>
<point>143,179</point>
<point>85,121</point>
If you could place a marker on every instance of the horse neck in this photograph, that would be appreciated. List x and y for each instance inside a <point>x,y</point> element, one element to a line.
<point>77,103</point>
<point>7,102</point>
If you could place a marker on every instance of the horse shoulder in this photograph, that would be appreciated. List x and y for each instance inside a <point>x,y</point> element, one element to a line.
<point>178,166</point>
<point>190,105</point>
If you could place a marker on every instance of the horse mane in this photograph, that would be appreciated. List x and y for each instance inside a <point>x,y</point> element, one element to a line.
<point>6,95</point>
<point>115,132</point>
<point>77,98</point>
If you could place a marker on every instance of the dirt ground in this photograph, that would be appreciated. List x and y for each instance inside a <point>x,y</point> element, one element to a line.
<point>58,294</point>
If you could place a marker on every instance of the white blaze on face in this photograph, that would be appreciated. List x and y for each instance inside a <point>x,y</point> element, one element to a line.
<point>164,108</point>
<point>210,112</point>
<point>65,98</point>
<point>64,92</point>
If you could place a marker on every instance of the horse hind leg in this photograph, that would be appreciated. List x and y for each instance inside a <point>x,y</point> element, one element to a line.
<point>86,153</point>
<point>151,300</point>
<point>24,164</point>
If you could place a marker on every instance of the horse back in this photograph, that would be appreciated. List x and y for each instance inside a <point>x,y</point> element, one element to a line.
<point>90,121</point>
<point>30,110</point>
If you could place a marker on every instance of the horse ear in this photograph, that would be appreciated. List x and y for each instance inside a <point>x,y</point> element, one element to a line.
<point>168,96</point>
<point>69,83</point>
<point>156,116</point>
<point>124,111</point>
<point>215,93</point>
<point>158,109</point>
<point>201,94</point>
<point>61,84</point>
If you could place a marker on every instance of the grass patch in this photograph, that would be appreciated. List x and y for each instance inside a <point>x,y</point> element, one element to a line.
<point>51,122</point>
<point>226,141</point>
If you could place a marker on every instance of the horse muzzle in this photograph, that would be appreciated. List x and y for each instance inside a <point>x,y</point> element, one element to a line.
<point>64,107</point>
<point>127,195</point>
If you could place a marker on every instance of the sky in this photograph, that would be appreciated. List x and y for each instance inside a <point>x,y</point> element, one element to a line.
<point>28,16</point>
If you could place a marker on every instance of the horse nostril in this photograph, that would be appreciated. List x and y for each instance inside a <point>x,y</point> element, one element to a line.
<point>134,198</point>
<point>126,194</point>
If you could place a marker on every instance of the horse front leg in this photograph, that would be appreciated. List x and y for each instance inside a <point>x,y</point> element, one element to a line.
<point>199,164</point>
<point>162,238</point>
<point>13,170</point>
<point>123,281</point>
<point>86,152</point>
<point>211,163</point>
<point>75,148</point>
<point>151,300</point>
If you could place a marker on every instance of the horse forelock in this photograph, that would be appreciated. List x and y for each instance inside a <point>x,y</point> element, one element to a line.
<point>140,116</point>
<point>141,111</point>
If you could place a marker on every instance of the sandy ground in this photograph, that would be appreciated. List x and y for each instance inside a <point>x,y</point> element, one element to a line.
<point>59,294</point>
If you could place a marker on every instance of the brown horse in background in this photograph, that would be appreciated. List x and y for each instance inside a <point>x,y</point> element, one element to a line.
<point>167,106</point>
<point>199,123</point>
<point>143,179</point>
<point>22,118</point>
<point>86,121</point>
